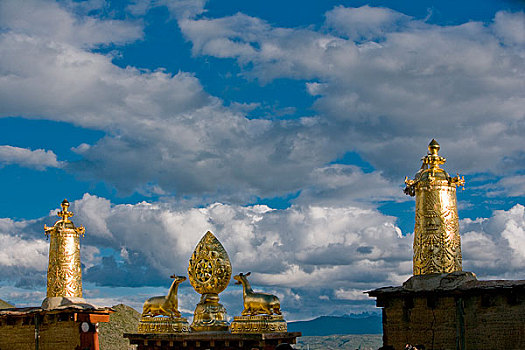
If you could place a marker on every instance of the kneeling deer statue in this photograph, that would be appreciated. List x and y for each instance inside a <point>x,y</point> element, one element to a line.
<point>164,305</point>
<point>257,303</point>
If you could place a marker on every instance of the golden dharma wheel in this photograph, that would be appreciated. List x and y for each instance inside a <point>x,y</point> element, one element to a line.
<point>209,268</point>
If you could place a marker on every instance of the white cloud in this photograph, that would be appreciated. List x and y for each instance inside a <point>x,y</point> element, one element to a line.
<point>493,247</point>
<point>20,297</point>
<point>38,159</point>
<point>351,294</point>
<point>299,253</point>
<point>302,249</point>
<point>23,259</point>
<point>177,8</point>
<point>342,249</point>
<point>48,19</point>
<point>407,83</point>
<point>384,97</point>
<point>164,134</point>
<point>510,27</point>
<point>290,252</point>
<point>512,186</point>
<point>344,184</point>
<point>364,22</point>
<point>22,253</point>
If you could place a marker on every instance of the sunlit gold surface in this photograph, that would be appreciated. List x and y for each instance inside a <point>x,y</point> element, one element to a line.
<point>437,246</point>
<point>258,324</point>
<point>64,275</point>
<point>209,273</point>
<point>256,303</point>
<point>165,305</point>
<point>163,325</point>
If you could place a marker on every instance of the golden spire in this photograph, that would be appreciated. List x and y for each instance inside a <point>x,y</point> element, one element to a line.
<point>437,246</point>
<point>432,159</point>
<point>64,275</point>
<point>64,213</point>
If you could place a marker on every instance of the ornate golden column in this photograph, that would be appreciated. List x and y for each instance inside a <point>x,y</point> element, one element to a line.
<point>64,276</point>
<point>437,246</point>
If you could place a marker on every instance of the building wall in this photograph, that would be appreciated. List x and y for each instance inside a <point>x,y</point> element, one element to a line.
<point>55,334</point>
<point>499,318</point>
<point>491,320</point>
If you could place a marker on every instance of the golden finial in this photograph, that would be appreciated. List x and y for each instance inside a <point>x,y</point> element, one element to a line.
<point>432,159</point>
<point>64,213</point>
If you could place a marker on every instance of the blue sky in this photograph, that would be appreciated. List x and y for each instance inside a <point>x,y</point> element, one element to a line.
<point>286,128</point>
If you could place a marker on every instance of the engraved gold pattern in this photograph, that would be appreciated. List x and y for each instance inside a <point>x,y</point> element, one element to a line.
<point>209,273</point>
<point>258,324</point>
<point>163,325</point>
<point>210,268</point>
<point>64,275</point>
<point>437,246</point>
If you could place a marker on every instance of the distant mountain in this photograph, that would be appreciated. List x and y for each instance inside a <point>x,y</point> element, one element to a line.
<point>328,325</point>
<point>5,305</point>
<point>125,319</point>
<point>340,342</point>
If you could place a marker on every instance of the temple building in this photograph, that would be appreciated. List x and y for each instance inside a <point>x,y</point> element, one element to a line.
<point>64,321</point>
<point>441,306</point>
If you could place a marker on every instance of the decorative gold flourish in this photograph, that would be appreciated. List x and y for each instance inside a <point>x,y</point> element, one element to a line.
<point>437,246</point>
<point>64,275</point>
<point>209,273</point>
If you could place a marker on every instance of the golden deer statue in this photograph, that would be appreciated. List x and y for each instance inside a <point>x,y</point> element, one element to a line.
<point>257,303</point>
<point>164,305</point>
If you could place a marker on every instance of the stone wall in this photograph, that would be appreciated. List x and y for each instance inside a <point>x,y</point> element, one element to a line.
<point>61,329</point>
<point>475,315</point>
<point>55,333</point>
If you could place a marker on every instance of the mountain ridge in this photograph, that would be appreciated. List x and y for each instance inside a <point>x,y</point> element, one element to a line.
<point>5,305</point>
<point>331,325</point>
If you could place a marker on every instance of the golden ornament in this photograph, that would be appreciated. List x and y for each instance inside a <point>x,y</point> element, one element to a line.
<point>437,246</point>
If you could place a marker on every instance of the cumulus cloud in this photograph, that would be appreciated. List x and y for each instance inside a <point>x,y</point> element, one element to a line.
<point>258,238</point>
<point>48,19</point>
<point>510,27</point>
<point>23,260</point>
<point>512,186</point>
<point>384,88</point>
<point>364,22</point>
<point>38,159</point>
<point>391,83</point>
<point>343,184</point>
<point>163,131</point>
<point>299,253</point>
<point>168,136</point>
<point>493,247</point>
<point>177,8</point>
